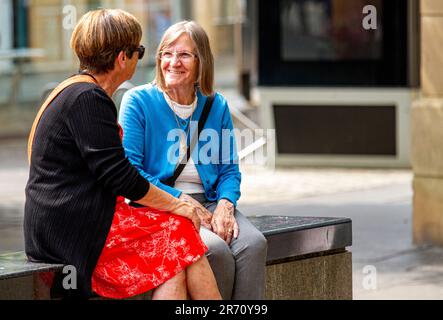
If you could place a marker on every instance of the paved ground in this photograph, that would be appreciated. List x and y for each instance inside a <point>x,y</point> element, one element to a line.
<point>377,201</point>
<point>379,204</point>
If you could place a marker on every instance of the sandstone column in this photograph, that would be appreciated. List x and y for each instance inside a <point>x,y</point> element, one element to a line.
<point>203,13</point>
<point>427,130</point>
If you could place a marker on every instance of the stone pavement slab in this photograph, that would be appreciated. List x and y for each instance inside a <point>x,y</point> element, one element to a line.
<point>381,213</point>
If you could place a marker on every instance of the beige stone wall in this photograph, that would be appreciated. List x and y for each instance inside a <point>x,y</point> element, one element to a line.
<point>47,32</point>
<point>326,277</point>
<point>432,55</point>
<point>203,13</point>
<point>216,16</point>
<point>428,210</point>
<point>427,130</point>
<point>46,28</point>
<point>427,136</point>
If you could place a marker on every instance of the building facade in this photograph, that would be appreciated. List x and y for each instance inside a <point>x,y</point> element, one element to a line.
<point>47,25</point>
<point>336,79</point>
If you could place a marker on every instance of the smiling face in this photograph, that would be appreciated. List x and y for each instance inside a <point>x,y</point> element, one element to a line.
<point>180,72</point>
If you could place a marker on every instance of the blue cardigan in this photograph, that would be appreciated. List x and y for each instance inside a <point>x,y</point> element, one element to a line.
<point>151,142</point>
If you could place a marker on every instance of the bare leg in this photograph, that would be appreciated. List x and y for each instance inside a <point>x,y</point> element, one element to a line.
<point>173,289</point>
<point>201,281</point>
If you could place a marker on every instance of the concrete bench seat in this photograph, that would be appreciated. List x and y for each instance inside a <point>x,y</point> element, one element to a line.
<point>307,259</point>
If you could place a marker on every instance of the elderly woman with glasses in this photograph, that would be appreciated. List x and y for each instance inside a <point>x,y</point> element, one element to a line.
<point>161,121</point>
<point>75,210</point>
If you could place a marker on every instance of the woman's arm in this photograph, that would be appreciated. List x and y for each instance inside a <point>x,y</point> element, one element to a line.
<point>162,200</point>
<point>92,122</point>
<point>132,119</point>
<point>229,177</point>
<point>228,183</point>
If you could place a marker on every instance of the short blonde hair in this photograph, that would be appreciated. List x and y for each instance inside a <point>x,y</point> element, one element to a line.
<point>206,60</point>
<point>101,35</point>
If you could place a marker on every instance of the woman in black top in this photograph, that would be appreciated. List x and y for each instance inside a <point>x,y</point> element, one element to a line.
<point>78,166</point>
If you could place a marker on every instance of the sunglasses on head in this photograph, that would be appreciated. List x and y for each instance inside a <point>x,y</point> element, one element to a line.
<point>140,50</point>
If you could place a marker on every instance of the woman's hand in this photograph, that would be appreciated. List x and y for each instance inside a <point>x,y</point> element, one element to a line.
<point>188,210</point>
<point>223,221</point>
<point>159,199</point>
<point>203,213</point>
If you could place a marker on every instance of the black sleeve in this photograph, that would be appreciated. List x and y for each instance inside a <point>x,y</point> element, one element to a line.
<point>92,121</point>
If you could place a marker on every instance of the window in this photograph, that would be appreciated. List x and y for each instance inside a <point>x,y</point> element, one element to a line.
<point>329,30</point>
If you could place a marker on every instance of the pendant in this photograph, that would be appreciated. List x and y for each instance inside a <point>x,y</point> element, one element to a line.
<point>183,146</point>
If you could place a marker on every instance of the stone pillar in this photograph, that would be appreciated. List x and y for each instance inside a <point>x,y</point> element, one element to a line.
<point>203,13</point>
<point>427,130</point>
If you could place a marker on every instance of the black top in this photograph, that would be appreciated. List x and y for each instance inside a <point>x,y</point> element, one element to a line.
<point>78,167</point>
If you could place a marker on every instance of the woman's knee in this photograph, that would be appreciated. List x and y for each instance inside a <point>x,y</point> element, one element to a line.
<point>180,278</point>
<point>259,242</point>
<point>254,245</point>
<point>173,288</point>
<point>219,251</point>
<point>257,246</point>
<point>202,262</point>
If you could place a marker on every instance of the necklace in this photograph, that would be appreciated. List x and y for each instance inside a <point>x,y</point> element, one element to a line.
<point>86,73</point>
<point>183,138</point>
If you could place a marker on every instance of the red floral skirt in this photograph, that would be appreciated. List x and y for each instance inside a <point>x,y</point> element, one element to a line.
<point>144,248</point>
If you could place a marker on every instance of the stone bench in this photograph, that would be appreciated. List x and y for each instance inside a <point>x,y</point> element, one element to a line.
<point>307,259</point>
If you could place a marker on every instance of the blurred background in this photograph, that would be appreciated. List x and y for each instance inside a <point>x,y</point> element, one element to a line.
<point>349,94</point>
<point>35,52</point>
<point>264,52</point>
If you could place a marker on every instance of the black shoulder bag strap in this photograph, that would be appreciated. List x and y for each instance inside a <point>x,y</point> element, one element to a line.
<point>201,123</point>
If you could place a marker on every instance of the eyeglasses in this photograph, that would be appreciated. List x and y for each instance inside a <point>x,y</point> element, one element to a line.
<point>183,56</point>
<point>140,50</point>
